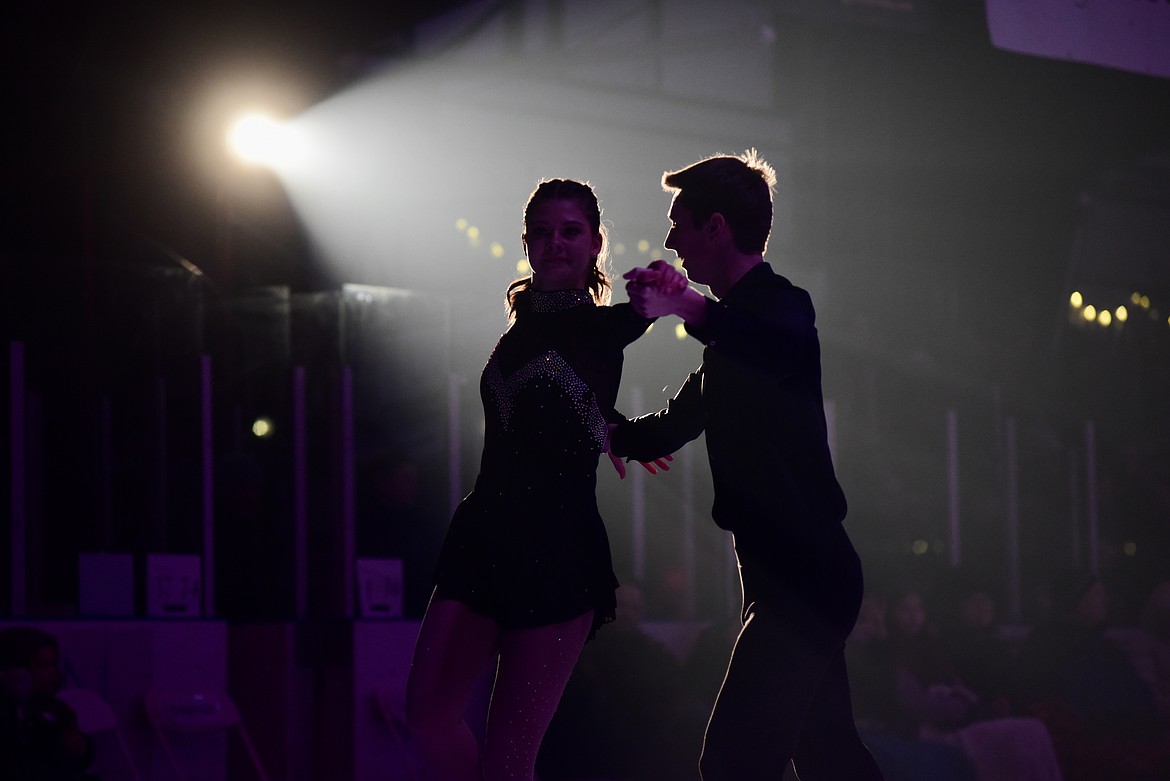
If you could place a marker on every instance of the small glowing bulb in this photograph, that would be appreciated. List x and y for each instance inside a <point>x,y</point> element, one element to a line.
<point>680,332</point>
<point>461,224</point>
<point>1136,299</point>
<point>497,249</point>
<point>619,249</point>
<point>1130,548</point>
<point>522,267</point>
<point>1104,318</point>
<point>1089,313</point>
<point>262,427</point>
<point>1076,299</point>
<point>1145,302</point>
<point>473,232</point>
<point>1122,314</point>
<point>643,246</point>
<point>919,547</point>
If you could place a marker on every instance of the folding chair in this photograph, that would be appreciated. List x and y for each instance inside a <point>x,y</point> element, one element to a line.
<point>95,716</point>
<point>194,712</point>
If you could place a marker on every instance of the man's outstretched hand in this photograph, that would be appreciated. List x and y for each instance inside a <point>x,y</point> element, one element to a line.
<point>653,467</point>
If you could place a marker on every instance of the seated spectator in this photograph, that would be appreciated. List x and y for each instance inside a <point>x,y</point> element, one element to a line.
<point>1147,645</point>
<point>930,693</point>
<point>1103,717</point>
<point>620,714</point>
<point>41,728</point>
<point>891,737</point>
<point>982,659</point>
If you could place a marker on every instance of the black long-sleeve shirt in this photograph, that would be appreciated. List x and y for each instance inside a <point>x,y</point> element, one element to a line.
<point>758,397</point>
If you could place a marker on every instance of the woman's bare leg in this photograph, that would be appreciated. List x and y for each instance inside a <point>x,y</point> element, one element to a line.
<point>454,647</point>
<point>534,667</point>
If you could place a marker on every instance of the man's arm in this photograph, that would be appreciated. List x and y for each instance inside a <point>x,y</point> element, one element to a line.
<point>768,329</point>
<point>660,433</point>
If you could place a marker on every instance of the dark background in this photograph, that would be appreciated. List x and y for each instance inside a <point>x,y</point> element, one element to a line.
<point>943,191</point>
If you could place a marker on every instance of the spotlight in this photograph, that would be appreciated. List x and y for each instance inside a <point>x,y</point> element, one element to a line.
<point>261,140</point>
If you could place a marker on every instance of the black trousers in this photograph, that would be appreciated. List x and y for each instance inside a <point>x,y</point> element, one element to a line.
<point>785,697</point>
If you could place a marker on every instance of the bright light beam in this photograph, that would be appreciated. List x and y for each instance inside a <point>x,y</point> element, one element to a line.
<point>261,140</point>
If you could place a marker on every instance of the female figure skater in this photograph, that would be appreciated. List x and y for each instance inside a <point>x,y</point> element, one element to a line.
<point>525,571</point>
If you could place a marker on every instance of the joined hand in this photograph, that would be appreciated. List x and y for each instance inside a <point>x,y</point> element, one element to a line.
<point>656,290</point>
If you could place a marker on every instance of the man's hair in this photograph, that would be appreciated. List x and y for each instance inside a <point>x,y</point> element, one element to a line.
<point>739,187</point>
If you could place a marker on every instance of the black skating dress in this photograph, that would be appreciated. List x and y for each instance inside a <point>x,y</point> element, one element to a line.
<point>527,547</point>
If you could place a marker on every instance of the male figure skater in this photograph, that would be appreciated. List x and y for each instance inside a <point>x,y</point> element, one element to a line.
<point>757,394</point>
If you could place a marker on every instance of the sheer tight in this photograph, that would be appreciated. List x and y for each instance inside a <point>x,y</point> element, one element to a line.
<point>454,646</point>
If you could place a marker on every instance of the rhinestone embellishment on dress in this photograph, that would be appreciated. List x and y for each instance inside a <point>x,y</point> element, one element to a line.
<point>545,301</point>
<point>550,366</point>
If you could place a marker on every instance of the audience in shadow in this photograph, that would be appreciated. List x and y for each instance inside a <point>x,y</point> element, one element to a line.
<point>981,655</point>
<point>41,740</point>
<point>621,715</point>
<point>907,687</point>
<point>1104,718</point>
<point>1146,643</point>
<point>889,731</point>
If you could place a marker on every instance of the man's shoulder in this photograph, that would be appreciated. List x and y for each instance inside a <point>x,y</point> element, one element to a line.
<point>764,276</point>
<point>765,282</point>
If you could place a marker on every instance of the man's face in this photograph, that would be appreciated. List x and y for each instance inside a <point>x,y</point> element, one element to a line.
<point>690,243</point>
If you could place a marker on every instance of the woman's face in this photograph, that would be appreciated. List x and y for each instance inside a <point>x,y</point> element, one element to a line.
<point>560,244</point>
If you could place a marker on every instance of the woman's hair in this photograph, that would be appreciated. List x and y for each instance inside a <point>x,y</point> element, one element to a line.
<point>583,196</point>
